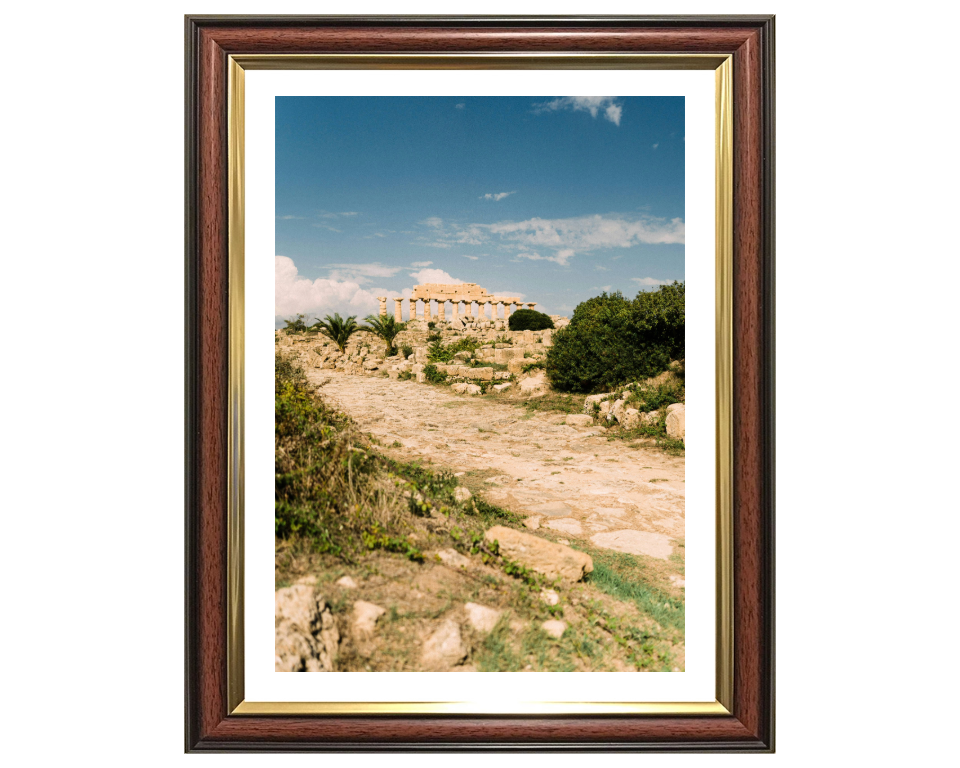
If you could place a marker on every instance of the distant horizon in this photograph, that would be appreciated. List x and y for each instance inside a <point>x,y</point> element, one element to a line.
<point>548,199</point>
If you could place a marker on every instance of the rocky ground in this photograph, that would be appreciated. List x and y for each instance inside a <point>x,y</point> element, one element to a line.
<point>613,512</point>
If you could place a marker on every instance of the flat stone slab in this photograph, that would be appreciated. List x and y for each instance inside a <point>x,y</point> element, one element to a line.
<point>540,555</point>
<point>565,525</point>
<point>552,509</point>
<point>635,543</point>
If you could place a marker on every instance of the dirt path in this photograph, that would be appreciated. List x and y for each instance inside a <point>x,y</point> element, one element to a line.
<point>572,480</point>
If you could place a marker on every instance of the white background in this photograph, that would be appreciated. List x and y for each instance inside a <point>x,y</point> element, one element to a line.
<point>261,682</point>
<point>92,382</point>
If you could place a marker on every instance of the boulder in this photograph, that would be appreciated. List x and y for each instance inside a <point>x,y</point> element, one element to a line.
<point>591,399</point>
<point>444,648</point>
<point>504,356</point>
<point>346,582</point>
<point>417,368</point>
<point>481,618</point>
<point>462,494</point>
<point>502,387</point>
<point>463,356</point>
<point>421,378</point>
<point>461,387</point>
<point>306,636</point>
<point>674,407</point>
<point>536,385</point>
<point>676,423</point>
<point>550,559</point>
<point>457,324</point>
<point>547,338</point>
<point>453,558</point>
<point>364,618</point>
<point>579,420</point>
<point>472,389</point>
<point>550,596</point>
<point>554,628</point>
<point>616,409</point>
<point>480,374</point>
<point>630,418</point>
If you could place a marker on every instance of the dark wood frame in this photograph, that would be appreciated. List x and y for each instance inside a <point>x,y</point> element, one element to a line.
<point>209,40</point>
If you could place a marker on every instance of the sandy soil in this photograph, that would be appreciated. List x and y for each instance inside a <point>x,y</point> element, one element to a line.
<point>572,480</point>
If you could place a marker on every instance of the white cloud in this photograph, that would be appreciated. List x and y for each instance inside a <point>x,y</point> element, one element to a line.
<point>656,145</point>
<point>601,268</point>
<point>592,104</point>
<point>460,106</point>
<point>496,196</point>
<point>562,258</point>
<point>650,282</point>
<point>421,263</point>
<point>434,276</point>
<point>289,218</point>
<point>327,226</point>
<point>360,273</point>
<point>434,222</point>
<point>332,215</point>
<point>467,256</point>
<point>317,298</point>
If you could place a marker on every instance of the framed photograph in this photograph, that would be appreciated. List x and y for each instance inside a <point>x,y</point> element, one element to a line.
<point>475,331</point>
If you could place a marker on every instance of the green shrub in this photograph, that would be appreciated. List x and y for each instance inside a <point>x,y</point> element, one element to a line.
<point>407,350</point>
<point>431,325</point>
<point>295,324</point>
<point>434,374</point>
<point>611,340</point>
<point>437,352</point>
<point>529,320</point>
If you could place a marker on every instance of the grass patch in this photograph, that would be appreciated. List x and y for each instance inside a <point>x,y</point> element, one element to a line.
<point>616,574</point>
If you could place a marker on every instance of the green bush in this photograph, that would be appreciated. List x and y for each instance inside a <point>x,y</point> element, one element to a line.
<point>529,320</point>
<point>434,374</point>
<point>611,340</point>
<point>407,350</point>
<point>437,352</point>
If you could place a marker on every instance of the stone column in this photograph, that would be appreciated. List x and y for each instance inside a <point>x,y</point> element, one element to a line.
<point>383,305</point>
<point>506,309</point>
<point>456,309</point>
<point>496,310</point>
<point>413,309</point>
<point>426,310</point>
<point>398,310</point>
<point>531,304</point>
<point>441,307</point>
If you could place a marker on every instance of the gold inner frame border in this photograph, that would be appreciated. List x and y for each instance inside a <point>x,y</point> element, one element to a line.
<point>722,65</point>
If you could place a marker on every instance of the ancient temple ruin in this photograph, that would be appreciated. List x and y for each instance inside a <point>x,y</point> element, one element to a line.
<point>466,294</point>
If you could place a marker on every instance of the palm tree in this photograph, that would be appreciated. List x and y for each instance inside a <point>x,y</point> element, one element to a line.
<point>338,329</point>
<point>386,327</point>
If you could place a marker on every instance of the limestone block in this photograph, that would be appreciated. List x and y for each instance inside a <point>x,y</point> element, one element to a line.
<point>481,618</point>
<point>502,387</point>
<point>460,388</point>
<point>540,555</point>
<point>516,366</point>
<point>675,406</point>
<point>536,385</point>
<point>371,364</point>
<point>504,356</point>
<point>676,423</point>
<point>578,419</point>
<point>548,338</point>
<point>417,368</point>
<point>444,648</point>
<point>480,374</point>
<point>421,378</point>
<point>472,389</point>
<point>554,627</point>
<point>630,418</point>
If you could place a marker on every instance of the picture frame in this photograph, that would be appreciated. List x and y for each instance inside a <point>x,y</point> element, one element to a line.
<point>740,49</point>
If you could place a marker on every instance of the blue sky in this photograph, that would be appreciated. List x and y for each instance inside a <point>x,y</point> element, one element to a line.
<point>550,198</point>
